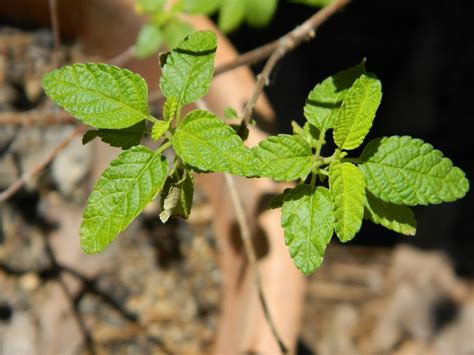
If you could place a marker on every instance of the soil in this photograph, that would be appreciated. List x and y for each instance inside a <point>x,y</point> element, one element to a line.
<point>157,288</point>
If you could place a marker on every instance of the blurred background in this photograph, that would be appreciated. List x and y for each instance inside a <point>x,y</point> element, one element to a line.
<point>157,289</point>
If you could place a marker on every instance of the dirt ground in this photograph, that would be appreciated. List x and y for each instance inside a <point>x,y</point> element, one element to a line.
<point>157,288</point>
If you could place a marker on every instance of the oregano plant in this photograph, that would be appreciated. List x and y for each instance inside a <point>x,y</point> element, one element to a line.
<point>333,193</point>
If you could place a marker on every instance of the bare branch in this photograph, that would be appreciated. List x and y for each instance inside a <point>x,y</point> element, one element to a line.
<point>252,258</point>
<point>18,184</point>
<point>35,117</point>
<point>124,57</point>
<point>286,44</point>
<point>53,11</point>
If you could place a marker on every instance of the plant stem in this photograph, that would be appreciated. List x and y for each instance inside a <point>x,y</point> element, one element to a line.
<point>163,147</point>
<point>252,258</point>
<point>53,12</point>
<point>286,44</point>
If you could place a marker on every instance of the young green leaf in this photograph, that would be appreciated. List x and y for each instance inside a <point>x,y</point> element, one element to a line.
<point>131,181</point>
<point>347,186</point>
<point>204,142</point>
<point>259,13</point>
<point>188,71</point>
<point>230,113</point>
<point>397,218</point>
<point>324,101</point>
<point>149,40</point>
<point>308,222</point>
<point>124,138</point>
<point>405,170</point>
<point>284,157</point>
<point>357,112</point>
<point>176,31</point>
<point>100,95</point>
<point>170,109</point>
<point>177,195</point>
<point>150,6</point>
<point>231,14</point>
<point>159,128</point>
<point>205,7</point>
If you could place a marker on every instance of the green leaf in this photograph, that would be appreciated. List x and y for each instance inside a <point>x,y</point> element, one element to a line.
<point>131,181</point>
<point>177,195</point>
<point>357,112</point>
<point>277,200</point>
<point>347,186</point>
<point>230,113</point>
<point>308,221</point>
<point>124,138</point>
<point>284,157</point>
<point>149,40</point>
<point>259,13</point>
<point>405,170</point>
<point>170,109</point>
<point>324,101</point>
<point>159,128</point>
<point>151,6</point>
<point>100,95</point>
<point>308,132</point>
<point>205,7</point>
<point>176,31</point>
<point>231,14</point>
<point>188,71</point>
<point>397,218</point>
<point>204,142</point>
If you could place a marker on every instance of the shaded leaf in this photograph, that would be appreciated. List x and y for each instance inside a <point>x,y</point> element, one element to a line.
<point>397,218</point>
<point>231,15</point>
<point>259,13</point>
<point>124,138</point>
<point>177,195</point>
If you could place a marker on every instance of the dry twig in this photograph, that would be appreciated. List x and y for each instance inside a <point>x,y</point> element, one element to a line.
<point>286,44</point>
<point>18,184</point>
<point>35,117</point>
<point>252,258</point>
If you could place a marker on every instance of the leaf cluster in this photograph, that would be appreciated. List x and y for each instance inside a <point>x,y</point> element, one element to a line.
<point>333,193</point>
<point>166,27</point>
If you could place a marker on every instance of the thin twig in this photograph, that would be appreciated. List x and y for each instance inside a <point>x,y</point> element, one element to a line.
<point>248,58</point>
<point>88,340</point>
<point>246,236</point>
<point>286,44</point>
<point>35,117</point>
<point>252,258</point>
<point>124,57</point>
<point>25,177</point>
<point>53,11</point>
